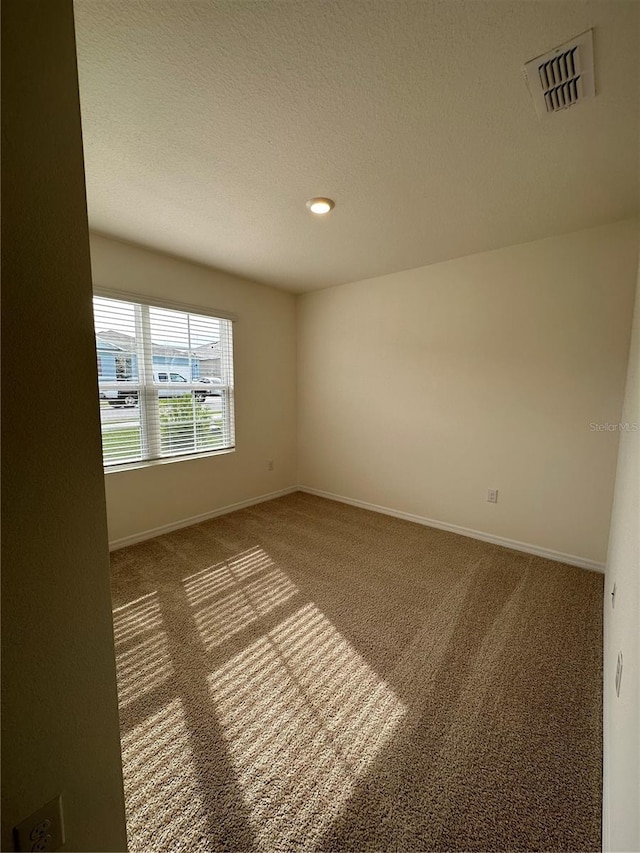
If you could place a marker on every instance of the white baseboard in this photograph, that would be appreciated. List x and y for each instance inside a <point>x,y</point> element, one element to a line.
<point>558,556</point>
<point>195,519</point>
<point>526,547</point>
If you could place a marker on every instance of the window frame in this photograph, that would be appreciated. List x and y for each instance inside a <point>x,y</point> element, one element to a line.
<point>148,395</point>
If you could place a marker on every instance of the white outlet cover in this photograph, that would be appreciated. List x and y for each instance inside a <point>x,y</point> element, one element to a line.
<point>42,830</point>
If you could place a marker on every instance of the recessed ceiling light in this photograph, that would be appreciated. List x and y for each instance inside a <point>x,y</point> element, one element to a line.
<point>320,206</point>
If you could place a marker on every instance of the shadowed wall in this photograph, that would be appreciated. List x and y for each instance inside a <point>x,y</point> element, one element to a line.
<point>59,708</point>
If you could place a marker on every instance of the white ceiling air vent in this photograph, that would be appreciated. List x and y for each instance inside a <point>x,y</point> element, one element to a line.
<point>563,77</point>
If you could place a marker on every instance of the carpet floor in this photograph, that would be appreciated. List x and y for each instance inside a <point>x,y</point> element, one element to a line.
<point>304,675</point>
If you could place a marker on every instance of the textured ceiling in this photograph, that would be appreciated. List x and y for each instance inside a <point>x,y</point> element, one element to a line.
<point>207,125</point>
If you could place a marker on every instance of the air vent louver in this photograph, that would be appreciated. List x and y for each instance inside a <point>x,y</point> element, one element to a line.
<point>562,77</point>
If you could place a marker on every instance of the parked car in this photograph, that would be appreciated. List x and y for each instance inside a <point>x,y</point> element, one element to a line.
<point>119,397</point>
<point>127,398</point>
<point>214,385</point>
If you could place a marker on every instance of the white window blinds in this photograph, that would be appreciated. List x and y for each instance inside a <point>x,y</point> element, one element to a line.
<point>165,380</point>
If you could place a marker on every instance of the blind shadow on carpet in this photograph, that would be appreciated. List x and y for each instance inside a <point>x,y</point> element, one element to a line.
<point>304,675</point>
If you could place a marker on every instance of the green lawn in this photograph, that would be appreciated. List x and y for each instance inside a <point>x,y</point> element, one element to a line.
<point>118,443</point>
<point>124,443</point>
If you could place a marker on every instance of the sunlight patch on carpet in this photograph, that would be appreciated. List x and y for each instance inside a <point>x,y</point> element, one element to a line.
<point>157,759</point>
<point>143,661</point>
<point>304,716</point>
<point>228,597</point>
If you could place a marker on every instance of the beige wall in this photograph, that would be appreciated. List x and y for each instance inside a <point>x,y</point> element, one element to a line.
<point>264,358</point>
<point>59,707</point>
<point>621,801</point>
<point>420,390</point>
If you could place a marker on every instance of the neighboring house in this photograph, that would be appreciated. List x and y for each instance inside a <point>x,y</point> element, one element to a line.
<point>208,357</point>
<point>117,358</point>
<point>112,361</point>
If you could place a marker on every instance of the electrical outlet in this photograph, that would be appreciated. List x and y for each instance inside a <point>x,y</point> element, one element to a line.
<point>270,465</point>
<point>492,496</point>
<point>43,830</point>
<point>619,674</point>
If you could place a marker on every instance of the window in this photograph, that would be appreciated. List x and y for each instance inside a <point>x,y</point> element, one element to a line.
<point>123,367</point>
<point>165,380</point>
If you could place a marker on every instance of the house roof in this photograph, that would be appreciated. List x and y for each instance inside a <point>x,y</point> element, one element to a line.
<point>115,340</point>
<point>103,344</point>
<point>109,339</point>
<point>211,350</point>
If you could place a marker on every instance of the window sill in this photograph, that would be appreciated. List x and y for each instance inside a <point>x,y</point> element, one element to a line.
<point>148,463</point>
